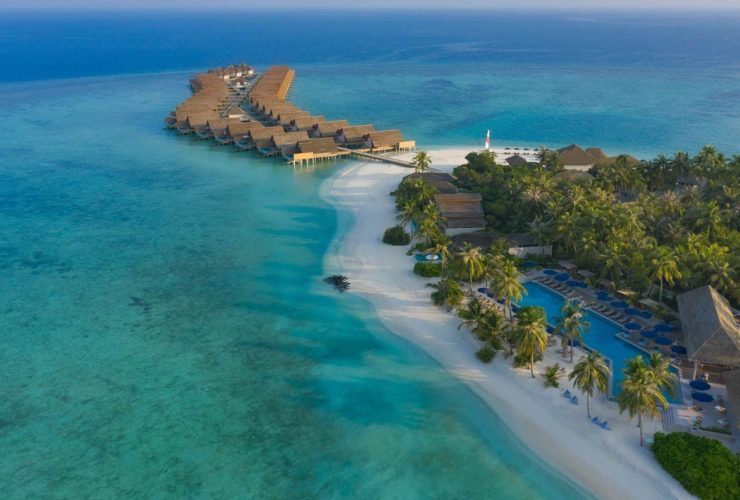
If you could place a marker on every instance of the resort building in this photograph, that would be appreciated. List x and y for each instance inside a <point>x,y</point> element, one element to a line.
<point>233,106</point>
<point>443,183</point>
<point>518,244</point>
<point>576,158</point>
<point>516,160</point>
<point>353,136</point>
<point>329,128</point>
<point>462,212</point>
<point>314,150</point>
<point>709,328</point>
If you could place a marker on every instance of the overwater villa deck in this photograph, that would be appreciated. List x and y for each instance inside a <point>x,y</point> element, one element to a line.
<point>233,106</point>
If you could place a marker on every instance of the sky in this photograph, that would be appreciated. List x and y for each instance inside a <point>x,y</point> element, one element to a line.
<point>368,4</point>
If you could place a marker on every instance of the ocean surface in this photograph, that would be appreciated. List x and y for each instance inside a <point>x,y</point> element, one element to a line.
<point>164,330</point>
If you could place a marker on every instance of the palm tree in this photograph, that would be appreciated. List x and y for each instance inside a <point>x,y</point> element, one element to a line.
<point>506,285</point>
<point>531,333</point>
<point>421,161</point>
<point>589,374</point>
<point>661,369</point>
<point>665,268</point>
<point>472,260</point>
<point>540,230</point>
<point>710,220</point>
<point>472,315</point>
<point>441,248</point>
<point>571,324</point>
<point>408,214</point>
<point>641,392</point>
<point>428,231</point>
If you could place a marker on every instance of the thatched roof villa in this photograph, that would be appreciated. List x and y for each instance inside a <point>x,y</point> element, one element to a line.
<point>462,212</point>
<point>329,128</point>
<point>306,123</point>
<point>283,143</point>
<point>442,182</point>
<point>353,136</point>
<point>384,140</point>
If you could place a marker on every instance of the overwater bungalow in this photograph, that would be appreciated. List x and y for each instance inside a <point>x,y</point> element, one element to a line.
<point>286,118</point>
<point>382,141</point>
<point>353,136</point>
<point>314,150</point>
<point>235,131</point>
<point>283,144</point>
<point>328,129</point>
<point>260,137</point>
<point>306,123</point>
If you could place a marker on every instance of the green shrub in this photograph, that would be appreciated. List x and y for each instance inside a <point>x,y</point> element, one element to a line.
<point>703,466</point>
<point>447,292</point>
<point>427,269</point>
<point>397,236</point>
<point>551,375</point>
<point>485,354</point>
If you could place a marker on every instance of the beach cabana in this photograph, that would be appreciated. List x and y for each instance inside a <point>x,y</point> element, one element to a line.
<point>709,329</point>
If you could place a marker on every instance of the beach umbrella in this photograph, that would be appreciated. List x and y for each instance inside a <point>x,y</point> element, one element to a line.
<point>700,385</point>
<point>562,277</point>
<point>550,272</point>
<point>663,340</point>
<point>632,311</point>
<point>664,327</point>
<point>619,304</point>
<point>678,349</point>
<point>632,326</point>
<point>702,397</point>
<point>649,334</point>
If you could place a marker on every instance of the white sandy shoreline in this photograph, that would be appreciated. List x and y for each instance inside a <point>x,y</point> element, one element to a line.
<point>610,464</point>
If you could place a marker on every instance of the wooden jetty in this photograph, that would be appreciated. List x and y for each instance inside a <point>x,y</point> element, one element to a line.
<point>232,105</point>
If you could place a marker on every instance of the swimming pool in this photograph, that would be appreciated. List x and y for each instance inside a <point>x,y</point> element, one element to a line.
<point>601,336</point>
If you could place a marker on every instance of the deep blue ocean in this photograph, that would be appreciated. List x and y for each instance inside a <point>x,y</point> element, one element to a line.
<point>164,329</point>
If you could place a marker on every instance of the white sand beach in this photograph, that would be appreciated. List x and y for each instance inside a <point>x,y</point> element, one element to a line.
<point>611,464</point>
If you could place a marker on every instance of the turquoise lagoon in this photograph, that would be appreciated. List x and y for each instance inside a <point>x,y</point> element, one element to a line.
<point>164,330</point>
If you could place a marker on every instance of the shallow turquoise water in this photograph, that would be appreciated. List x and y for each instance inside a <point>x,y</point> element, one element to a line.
<point>164,330</point>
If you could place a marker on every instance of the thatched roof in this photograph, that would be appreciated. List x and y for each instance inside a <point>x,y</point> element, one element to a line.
<point>709,328</point>
<point>259,134</point>
<point>306,122</point>
<point>516,160</point>
<point>330,128</point>
<point>443,183</point>
<point>318,146</point>
<point>287,139</point>
<point>597,153</point>
<point>461,210</point>
<point>575,155</point>
<point>384,138</point>
<point>355,133</point>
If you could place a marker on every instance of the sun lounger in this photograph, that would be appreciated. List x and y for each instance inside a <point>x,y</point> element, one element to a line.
<point>605,425</point>
<point>567,394</point>
<point>574,400</point>
<point>595,420</point>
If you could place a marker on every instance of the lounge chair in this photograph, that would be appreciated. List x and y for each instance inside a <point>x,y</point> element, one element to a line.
<point>567,394</point>
<point>595,420</point>
<point>605,425</point>
<point>574,400</point>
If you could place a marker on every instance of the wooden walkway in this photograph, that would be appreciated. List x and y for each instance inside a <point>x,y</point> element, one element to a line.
<point>369,156</point>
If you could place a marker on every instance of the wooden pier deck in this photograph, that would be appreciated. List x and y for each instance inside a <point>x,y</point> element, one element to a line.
<point>363,155</point>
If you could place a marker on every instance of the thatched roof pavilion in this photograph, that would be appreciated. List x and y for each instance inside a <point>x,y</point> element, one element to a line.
<point>709,328</point>
<point>516,160</point>
<point>305,122</point>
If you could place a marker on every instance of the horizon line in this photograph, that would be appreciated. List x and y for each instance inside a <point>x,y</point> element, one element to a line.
<point>195,8</point>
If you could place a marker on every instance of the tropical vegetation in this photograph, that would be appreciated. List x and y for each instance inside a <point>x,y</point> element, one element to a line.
<point>571,324</point>
<point>396,235</point>
<point>670,222</point>
<point>705,467</point>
